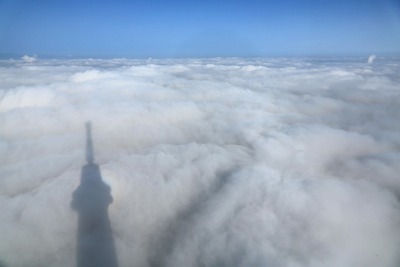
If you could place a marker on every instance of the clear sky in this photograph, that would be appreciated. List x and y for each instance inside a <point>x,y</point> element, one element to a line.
<point>206,28</point>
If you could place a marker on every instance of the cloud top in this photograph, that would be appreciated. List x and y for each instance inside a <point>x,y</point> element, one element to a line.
<point>29,59</point>
<point>214,162</point>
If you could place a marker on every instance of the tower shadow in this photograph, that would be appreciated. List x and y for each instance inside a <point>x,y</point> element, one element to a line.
<point>95,242</point>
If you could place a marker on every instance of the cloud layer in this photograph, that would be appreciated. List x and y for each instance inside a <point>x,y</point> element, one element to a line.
<point>217,162</point>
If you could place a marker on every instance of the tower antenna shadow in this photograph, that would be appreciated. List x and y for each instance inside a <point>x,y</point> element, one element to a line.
<point>95,242</point>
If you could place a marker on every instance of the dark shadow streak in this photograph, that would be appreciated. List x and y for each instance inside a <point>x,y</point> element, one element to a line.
<point>95,242</point>
<point>180,226</point>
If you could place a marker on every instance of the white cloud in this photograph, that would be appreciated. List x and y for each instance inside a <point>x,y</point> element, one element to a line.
<point>29,59</point>
<point>371,59</point>
<point>217,162</point>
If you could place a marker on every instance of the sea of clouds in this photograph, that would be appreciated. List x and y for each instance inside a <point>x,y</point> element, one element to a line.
<point>213,162</point>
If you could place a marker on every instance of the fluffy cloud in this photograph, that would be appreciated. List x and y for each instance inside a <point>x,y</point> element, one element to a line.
<point>217,162</point>
<point>29,59</point>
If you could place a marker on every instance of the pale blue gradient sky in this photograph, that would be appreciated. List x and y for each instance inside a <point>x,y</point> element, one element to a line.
<point>156,28</point>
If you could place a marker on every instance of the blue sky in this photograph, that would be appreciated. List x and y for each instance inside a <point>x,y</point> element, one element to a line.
<point>156,28</point>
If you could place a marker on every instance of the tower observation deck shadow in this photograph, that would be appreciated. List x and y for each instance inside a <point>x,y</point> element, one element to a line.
<point>95,242</point>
